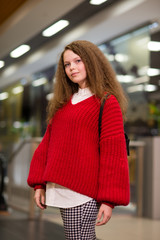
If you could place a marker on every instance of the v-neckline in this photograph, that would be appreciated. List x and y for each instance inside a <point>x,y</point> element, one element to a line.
<point>80,101</point>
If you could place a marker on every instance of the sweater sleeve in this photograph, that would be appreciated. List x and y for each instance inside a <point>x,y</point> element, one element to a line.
<point>38,162</point>
<point>114,185</point>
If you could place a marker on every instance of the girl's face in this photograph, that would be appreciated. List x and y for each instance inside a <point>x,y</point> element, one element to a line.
<point>75,68</point>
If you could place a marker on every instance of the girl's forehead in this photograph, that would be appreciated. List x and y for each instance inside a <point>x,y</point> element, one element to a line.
<point>69,54</point>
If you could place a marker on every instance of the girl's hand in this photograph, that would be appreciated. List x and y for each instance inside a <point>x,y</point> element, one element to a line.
<point>39,198</point>
<point>104,214</point>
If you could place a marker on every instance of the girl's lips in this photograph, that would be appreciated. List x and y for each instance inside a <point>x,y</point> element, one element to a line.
<point>74,74</point>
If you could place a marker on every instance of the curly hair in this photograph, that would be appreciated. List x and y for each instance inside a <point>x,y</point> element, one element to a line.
<point>101,78</point>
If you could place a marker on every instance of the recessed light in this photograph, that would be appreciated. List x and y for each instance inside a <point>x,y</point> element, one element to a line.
<point>17,124</point>
<point>56,27</point>
<point>119,57</point>
<point>97,2</point>
<point>153,72</point>
<point>154,46</point>
<point>150,88</point>
<point>49,96</point>
<point>17,90</point>
<point>1,63</point>
<point>39,82</point>
<point>142,79</point>
<point>141,87</point>
<point>154,25</point>
<point>19,51</point>
<point>3,95</point>
<point>125,78</point>
<point>137,88</point>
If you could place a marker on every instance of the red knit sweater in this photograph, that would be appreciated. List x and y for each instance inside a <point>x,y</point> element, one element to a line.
<point>69,152</point>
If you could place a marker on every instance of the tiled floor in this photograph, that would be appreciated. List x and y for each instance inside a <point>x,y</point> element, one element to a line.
<point>122,226</point>
<point>130,228</point>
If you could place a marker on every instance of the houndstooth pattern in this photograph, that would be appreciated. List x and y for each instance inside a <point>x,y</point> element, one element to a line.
<point>79,222</point>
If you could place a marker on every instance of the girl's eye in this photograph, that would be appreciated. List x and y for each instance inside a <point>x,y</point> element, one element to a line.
<point>78,60</point>
<point>66,65</point>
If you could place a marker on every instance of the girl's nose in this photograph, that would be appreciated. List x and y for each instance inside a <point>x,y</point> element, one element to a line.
<point>72,66</point>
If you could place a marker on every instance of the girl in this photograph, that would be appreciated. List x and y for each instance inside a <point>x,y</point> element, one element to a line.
<point>72,168</point>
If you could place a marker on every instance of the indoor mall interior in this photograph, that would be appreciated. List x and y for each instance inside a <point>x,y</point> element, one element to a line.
<point>33,33</point>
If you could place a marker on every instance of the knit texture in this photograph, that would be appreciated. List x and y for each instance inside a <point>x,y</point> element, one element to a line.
<point>69,152</point>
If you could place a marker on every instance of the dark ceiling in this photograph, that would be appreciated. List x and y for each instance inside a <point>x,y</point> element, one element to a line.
<point>77,15</point>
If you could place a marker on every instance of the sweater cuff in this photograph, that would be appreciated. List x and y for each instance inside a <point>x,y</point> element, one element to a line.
<point>40,187</point>
<point>108,204</point>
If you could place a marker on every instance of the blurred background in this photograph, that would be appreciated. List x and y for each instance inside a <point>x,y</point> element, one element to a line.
<point>32,35</point>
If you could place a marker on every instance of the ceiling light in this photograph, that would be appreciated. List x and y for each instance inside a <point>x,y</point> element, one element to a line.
<point>49,96</point>
<point>139,80</point>
<point>141,87</point>
<point>137,88</point>
<point>3,95</point>
<point>39,82</point>
<point>110,57</point>
<point>153,72</point>
<point>154,46</point>
<point>17,90</point>
<point>154,25</point>
<point>125,78</point>
<point>97,2</point>
<point>142,70</point>
<point>150,88</point>
<point>56,27</point>
<point>1,63</point>
<point>119,57</point>
<point>20,51</point>
<point>17,124</point>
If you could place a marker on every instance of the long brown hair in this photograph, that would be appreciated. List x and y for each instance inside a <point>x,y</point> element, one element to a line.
<point>101,78</point>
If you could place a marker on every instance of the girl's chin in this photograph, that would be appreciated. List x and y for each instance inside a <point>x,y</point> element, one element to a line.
<point>83,84</point>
